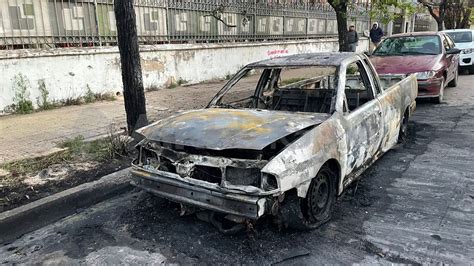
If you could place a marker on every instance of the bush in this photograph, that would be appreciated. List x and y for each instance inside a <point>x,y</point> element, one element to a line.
<point>22,103</point>
<point>90,96</point>
<point>43,100</point>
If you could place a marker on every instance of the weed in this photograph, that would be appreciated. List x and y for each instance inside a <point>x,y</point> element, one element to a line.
<point>182,82</point>
<point>110,147</point>
<point>152,88</point>
<point>117,143</point>
<point>351,70</point>
<point>71,101</point>
<point>172,85</point>
<point>74,145</point>
<point>228,76</point>
<point>90,96</point>
<point>22,103</point>
<point>43,100</point>
<point>177,83</point>
<point>105,96</point>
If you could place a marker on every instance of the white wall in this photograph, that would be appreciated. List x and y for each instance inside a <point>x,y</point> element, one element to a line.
<point>68,72</point>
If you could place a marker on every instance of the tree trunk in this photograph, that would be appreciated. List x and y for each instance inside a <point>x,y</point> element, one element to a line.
<point>440,25</point>
<point>438,17</point>
<point>133,91</point>
<point>340,7</point>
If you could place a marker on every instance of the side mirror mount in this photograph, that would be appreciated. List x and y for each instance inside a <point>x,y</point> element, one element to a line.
<point>453,51</point>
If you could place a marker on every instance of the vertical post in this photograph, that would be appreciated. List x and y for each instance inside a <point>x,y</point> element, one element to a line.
<point>255,20</point>
<point>96,18</point>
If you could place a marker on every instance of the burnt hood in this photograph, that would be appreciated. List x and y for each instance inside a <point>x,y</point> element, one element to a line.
<point>221,129</point>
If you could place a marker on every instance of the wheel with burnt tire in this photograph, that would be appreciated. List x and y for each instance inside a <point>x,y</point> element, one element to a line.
<point>316,208</point>
<point>403,133</point>
<point>454,82</point>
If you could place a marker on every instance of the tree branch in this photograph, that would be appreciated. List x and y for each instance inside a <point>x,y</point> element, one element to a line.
<point>429,6</point>
<point>216,13</point>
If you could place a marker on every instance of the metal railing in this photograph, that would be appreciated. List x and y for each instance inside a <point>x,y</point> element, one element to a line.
<point>66,23</point>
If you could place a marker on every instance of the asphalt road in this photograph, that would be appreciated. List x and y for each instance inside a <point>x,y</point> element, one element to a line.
<point>415,205</point>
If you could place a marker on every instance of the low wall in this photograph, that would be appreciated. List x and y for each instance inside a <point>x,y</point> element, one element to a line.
<point>70,72</point>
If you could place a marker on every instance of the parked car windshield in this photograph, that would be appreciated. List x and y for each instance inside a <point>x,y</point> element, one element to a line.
<point>298,89</point>
<point>409,45</point>
<point>461,36</point>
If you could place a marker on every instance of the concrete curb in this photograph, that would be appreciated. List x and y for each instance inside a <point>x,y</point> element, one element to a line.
<point>32,216</point>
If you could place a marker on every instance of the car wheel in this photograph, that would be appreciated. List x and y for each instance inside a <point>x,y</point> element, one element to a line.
<point>316,208</point>
<point>403,133</point>
<point>440,97</point>
<point>454,82</point>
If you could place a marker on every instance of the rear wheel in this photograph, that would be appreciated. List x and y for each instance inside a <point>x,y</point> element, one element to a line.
<point>316,208</point>
<point>454,82</point>
<point>403,134</point>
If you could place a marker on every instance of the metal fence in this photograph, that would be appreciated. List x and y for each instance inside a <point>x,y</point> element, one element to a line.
<point>65,23</point>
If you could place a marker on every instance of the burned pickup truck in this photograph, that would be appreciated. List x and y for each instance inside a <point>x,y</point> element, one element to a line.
<point>284,137</point>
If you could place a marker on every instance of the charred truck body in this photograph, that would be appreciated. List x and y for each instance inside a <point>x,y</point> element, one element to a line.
<point>284,137</point>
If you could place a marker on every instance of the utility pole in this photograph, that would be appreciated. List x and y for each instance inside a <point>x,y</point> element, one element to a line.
<point>133,91</point>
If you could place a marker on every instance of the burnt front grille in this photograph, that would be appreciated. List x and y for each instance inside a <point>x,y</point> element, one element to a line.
<point>207,173</point>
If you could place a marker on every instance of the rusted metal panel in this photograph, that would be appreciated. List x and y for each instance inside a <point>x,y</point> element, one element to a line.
<point>220,129</point>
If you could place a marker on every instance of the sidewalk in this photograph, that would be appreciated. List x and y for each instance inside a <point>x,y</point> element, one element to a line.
<point>25,136</point>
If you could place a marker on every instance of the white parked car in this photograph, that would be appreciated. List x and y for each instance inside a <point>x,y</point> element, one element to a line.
<point>463,38</point>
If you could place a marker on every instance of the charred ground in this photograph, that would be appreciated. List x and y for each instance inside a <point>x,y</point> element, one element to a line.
<point>412,206</point>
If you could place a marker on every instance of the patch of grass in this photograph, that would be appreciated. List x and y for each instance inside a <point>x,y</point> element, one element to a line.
<point>172,85</point>
<point>22,104</point>
<point>34,165</point>
<point>77,149</point>
<point>91,97</point>
<point>71,101</point>
<point>182,82</point>
<point>110,147</point>
<point>152,88</point>
<point>82,161</point>
<point>290,81</point>
<point>105,96</point>
<point>178,83</point>
<point>74,144</point>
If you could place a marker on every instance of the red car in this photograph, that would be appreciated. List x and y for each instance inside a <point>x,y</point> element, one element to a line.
<point>432,56</point>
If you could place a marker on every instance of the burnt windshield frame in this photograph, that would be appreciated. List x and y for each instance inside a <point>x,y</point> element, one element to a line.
<point>268,77</point>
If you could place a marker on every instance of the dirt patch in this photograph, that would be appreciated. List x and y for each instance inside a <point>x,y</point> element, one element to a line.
<point>24,181</point>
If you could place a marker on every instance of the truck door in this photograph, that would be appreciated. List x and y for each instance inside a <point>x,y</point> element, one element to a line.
<point>362,117</point>
<point>390,100</point>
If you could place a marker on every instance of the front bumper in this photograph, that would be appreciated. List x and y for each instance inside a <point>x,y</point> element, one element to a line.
<point>466,60</point>
<point>429,87</point>
<point>249,206</point>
